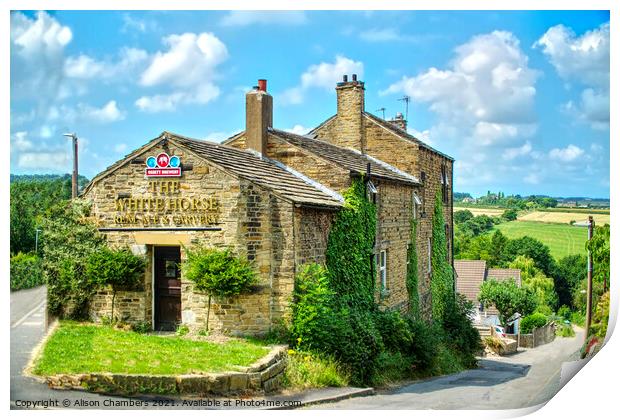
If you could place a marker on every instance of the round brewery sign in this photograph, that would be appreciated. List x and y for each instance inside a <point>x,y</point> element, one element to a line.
<point>163,165</point>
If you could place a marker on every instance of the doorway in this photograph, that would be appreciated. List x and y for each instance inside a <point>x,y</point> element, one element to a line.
<point>167,287</point>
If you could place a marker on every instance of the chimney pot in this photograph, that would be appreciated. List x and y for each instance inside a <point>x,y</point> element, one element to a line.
<point>345,78</point>
<point>354,77</point>
<point>262,85</point>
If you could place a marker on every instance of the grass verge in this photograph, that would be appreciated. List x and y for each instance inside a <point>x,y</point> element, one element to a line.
<point>88,348</point>
<point>308,370</point>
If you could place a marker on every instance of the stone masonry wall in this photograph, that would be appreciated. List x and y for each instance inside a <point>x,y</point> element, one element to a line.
<point>253,223</point>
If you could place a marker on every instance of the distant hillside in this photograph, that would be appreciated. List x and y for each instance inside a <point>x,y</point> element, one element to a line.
<point>82,180</point>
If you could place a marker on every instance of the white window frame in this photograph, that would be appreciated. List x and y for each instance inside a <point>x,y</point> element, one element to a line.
<point>415,203</point>
<point>430,251</point>
<point>382,264</point>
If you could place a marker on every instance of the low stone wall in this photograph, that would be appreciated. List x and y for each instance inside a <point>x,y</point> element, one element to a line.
<point>265,375</point>
<point>538,337</point>
<point>128,306</point>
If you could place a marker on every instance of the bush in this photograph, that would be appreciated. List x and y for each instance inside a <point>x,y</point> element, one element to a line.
<point>565,330</point>
<point>312,309</point>
<point>564,312</point>
<point>600,317</point>
<point>510,214</point>
<point>141,327</point>
<point>311,370</point>
<point>68,239</point>
<point>394,330</point>
<point>461,335</point>
<point>26,271</point>
<point>425,340</point>
<point>119,269</point>
<point>218,273</point>
<point>578,318</point>
<point>533,321</point>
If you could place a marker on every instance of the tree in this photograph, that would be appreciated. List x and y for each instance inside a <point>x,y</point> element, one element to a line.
<point>218,273</point>
<point>569,273</point>
<point>120,269</point>
<point>68,239</point>
<point>542,286</point>
<point>510,214</point>
<point>533,249</point>
<point>461,216</point>
<point>507,297</point>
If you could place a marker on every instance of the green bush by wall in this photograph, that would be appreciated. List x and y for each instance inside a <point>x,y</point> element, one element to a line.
<point>26,271</point>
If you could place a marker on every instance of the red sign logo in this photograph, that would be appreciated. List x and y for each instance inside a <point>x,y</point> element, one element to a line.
<point>163,166</point>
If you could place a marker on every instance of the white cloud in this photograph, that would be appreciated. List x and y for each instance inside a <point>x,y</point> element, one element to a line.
<point>568,154</point>
<point>298,129</point>
<point>324,76</point>
<point>532,179</point>
<point>131,23</point>
<point>220,136</point>
<point>484,103</point>
<point>188,66</point>
<point>37,55</point>
<point>120,147</point>
<point>584,59</point>
<point>26,154</point>
<point>514,152</point>
<point>108,113</point>
<point>84,67</point>
<point>245,18</point>
<point>382,35</point>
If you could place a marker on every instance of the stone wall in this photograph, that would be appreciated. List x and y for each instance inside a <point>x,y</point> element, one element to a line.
<point>538,337</point>
<point>251,220</point>
<point>129,306</point>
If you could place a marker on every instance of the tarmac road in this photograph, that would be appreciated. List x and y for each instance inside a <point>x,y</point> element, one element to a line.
<point>525,379</point>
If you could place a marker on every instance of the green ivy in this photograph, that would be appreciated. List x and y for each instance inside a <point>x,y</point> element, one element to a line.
<point>442,275</point>
<point>412,273</point>
<point>349,254</point>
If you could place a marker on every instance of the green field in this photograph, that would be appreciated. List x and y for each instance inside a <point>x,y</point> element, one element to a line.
<point>562,239</point>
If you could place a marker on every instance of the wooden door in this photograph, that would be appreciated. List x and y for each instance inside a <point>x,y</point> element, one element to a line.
<point>167,288</point>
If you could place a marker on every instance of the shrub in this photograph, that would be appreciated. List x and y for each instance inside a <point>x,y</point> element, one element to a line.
<point>141,327</point>
<point>565,330</point>
<point>26,271</point>
<point>600,317</point>
<point>119,269</point>
<point>507,297</point>
<point>564,312</point>
<point>182,330</point>
<point>312,370</point>
<point>68,239</point>
<point>533,321</point>
<point>425,340</point>
<point>394,330</point>
<point>312,309</point>
<point>509,214</point>
<point>218,273</point>
<point>461,335</point>
<point>393,367</point>
<point>578,318</point>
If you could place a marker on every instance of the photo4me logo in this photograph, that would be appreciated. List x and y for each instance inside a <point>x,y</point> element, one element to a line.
<point>163,165</point>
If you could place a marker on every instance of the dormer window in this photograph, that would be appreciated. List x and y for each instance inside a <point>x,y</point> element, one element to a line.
<point>371,192</point>
<point>416,205</point>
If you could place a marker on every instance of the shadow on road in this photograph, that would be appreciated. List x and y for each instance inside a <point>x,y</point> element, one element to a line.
<point>489,373</point>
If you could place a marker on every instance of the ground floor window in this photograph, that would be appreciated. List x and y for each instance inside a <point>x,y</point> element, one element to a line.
<point>382,264</point>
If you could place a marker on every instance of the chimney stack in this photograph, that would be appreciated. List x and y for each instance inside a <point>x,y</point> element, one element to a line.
<point>350,107</point>
<point>399,121</point>
<point>258,117</point>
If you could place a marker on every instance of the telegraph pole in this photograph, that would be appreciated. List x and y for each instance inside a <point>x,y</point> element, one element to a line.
<point>74,176</point>
<point>589,289</point>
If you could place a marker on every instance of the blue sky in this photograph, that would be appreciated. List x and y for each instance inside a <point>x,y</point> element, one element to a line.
<point>519,99</point>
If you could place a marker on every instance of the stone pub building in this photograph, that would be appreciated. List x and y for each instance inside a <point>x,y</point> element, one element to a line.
<point>271,196</point>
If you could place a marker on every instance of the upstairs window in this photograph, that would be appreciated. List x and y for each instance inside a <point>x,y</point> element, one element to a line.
<point>444,184</point>
<point>371,192</point>
<point>416,206</point>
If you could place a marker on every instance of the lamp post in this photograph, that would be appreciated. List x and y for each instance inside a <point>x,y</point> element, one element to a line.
<point>74,176</point>
<point>36,240</point>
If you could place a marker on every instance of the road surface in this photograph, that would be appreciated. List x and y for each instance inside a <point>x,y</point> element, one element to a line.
<point>525,379</point>
<point>522,380</point>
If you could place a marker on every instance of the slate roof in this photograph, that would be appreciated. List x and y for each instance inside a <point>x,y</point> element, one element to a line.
<point>388,126</point>
<point>469,277</point>
<point>350,159</point>
<point>505,274</point>
<point>283,181</point>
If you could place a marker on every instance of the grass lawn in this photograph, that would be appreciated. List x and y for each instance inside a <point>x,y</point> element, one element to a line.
<point>562,239</point>
<point>88,348</point>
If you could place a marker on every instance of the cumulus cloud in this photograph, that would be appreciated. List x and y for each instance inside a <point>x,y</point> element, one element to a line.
<point>484,103</point>
<point>568,154</point>
<point>298,129</point>
<point>84,67</point>
<point>31,155</point>
<point>324,76</point>
<point>584,59</point>
<point>188,66</point>
<point>37,55</point>
<point>108,113</point>
<point>246,18</point>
